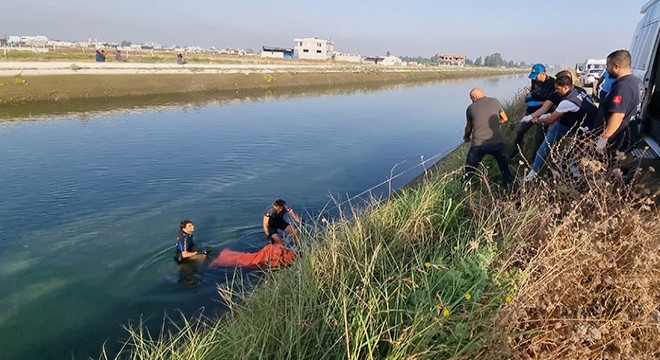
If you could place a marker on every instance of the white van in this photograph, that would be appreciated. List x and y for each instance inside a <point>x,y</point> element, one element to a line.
<point>646,66</point>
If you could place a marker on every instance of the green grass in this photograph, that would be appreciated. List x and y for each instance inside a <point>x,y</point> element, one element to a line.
<point>26,55</point>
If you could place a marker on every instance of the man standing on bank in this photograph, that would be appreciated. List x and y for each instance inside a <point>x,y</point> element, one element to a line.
<point>273,221</point>
<point>484,117</point>
<point>620,105</point>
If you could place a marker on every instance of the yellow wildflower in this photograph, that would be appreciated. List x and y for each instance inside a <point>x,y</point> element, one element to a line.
<point>508,299</point>
<point>445,312</point>
<point>427,264</point>
<point>468,296</point>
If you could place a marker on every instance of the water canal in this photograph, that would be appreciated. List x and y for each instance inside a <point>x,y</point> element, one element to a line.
<point>90,204</point>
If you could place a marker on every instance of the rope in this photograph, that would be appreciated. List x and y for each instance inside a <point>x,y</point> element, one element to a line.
<point>392,177</point>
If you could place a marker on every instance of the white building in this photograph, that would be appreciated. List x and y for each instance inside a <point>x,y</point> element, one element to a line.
<point>314,48</point>
<point>60,44</point>
<point>391,60</point>
<point>14,40</point>
<point>38,40</point>
<point>276,52</point>
<point>354,58</point>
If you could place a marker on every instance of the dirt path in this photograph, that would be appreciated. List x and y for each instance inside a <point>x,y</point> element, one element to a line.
<point>33,89</point>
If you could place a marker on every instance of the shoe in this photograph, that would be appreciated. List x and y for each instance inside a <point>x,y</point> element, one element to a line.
<point>530,176</point>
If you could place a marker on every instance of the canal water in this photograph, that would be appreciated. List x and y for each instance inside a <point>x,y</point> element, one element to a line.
<point>90,204</point>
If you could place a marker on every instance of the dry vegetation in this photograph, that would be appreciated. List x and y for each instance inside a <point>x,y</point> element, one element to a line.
<point>588,262</point>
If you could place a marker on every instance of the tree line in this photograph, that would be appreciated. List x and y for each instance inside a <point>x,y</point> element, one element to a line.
<point>492,60</point>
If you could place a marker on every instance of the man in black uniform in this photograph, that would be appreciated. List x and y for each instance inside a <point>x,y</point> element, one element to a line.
<point>573,110</point>
<point>273,221</point>
<point>620,105</point>
<point>484,117</point>
<point>185,246</point>
<point>543,86</point>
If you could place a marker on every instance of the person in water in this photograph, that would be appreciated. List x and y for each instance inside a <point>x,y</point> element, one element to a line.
<point>185,246</point>
<point>273,221</point>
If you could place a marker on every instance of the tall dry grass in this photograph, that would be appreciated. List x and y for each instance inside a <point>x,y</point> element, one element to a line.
<point>589,265</point>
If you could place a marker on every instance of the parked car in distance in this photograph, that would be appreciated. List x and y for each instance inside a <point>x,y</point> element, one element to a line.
<point>590,76</point>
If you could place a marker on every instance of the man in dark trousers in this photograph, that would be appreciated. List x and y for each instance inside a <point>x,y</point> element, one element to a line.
<point>543,85</point>
<point>484,117</point>
<point>273,221</point>
<point>620,105</point>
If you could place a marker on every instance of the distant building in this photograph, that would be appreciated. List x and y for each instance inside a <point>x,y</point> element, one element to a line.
<point>35,41</point>
<point>453,60</point>
<point>373,59</point>
<point>57,43</point>
<point>354,58</point>
<point>14,40</point>
<point>314,48</point>
<point>3,42</point>
<point>276,52</point>
<point>391,60</point>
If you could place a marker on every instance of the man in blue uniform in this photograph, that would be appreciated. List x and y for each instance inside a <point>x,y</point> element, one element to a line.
<point>620,105</point>
<point>542,87</point>
<point>573,110</point>
<point>185,246</point>
<point>273,221</point>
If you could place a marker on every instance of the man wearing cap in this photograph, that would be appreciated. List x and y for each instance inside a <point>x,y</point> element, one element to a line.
<point>543,85</point>
<point>484,117</point>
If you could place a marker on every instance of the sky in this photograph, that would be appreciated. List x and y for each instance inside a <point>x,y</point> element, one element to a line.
<point>552,32</point>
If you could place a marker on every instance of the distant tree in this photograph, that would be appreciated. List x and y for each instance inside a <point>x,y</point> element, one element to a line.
<point>478,61</point>
<point>388,53</point>
<point>126,43</point>
<point>511,64</point>
<point>523,64</point>
<point>469,62</point>
<point>418,59</point>
<point>494,60</point>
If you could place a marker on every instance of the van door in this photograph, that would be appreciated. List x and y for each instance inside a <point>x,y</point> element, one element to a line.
<point>651,103</point>
<point>645,64</point>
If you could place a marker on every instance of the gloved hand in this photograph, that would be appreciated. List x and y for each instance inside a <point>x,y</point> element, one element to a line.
<point>526,118</point>
<point>601,144</point>
<point>544,116</point>
<point>583,129</point>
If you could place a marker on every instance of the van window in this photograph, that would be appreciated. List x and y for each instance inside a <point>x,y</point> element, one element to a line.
<point>645,41</point>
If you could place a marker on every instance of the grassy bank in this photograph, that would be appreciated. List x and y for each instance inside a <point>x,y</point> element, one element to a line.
<point>31,96</point>
<point>443,272</point>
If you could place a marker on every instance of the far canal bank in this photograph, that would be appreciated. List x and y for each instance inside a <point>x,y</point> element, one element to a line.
<point>99,89</point>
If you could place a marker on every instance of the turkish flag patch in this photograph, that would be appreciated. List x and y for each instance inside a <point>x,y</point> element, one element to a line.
<point>617,99</point>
